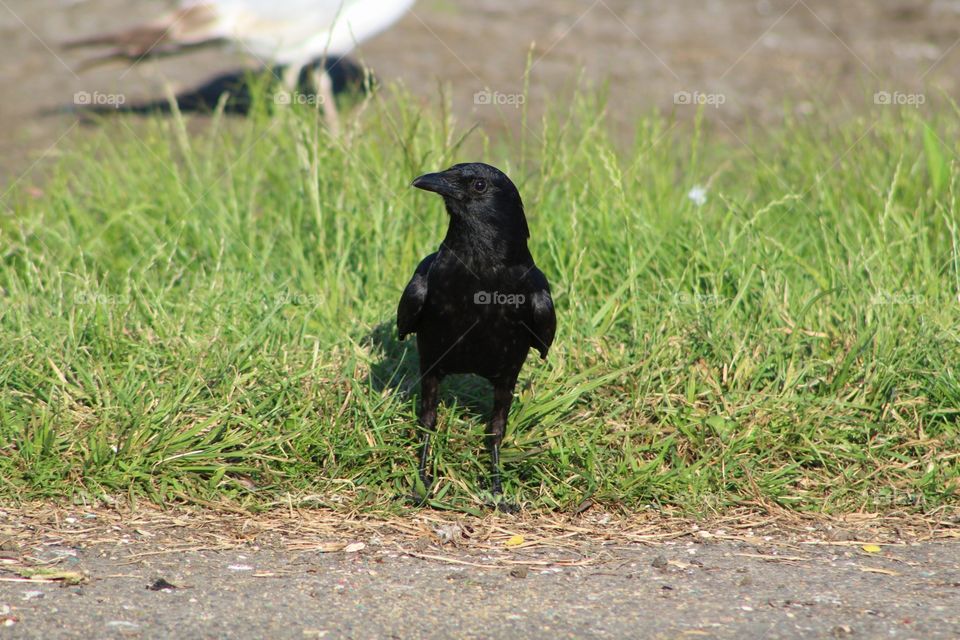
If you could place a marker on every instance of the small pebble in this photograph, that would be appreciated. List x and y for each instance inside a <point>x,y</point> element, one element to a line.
<point>122,624</point>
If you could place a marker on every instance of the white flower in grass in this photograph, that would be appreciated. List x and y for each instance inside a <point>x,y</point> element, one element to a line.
<point>699,195</point>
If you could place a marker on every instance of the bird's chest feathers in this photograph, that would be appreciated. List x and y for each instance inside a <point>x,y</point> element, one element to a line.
<point>462,273</point>
<point>475,319</point>
<point>468,287</point>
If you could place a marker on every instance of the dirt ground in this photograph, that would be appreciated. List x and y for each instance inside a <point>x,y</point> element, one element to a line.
<point>749,59</point>
<point>80,572</point>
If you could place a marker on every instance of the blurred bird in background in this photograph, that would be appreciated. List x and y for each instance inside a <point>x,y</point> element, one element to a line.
<point>293,34</point>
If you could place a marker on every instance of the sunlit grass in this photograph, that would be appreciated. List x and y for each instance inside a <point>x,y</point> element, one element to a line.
<point>209,316</point>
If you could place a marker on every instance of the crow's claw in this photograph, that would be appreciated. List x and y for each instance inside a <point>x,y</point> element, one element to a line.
<point>507,507</point>
<point>417,499</point>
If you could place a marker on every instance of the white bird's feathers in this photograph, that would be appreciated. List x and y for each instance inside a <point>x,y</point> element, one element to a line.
<point>284,32</point>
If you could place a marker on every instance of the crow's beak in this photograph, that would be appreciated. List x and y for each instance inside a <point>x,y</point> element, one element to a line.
<point>438,183</point>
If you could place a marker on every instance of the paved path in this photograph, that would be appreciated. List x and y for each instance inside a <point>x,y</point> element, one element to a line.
<point>683,589</point>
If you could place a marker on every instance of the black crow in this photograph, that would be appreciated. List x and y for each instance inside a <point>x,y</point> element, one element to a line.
<point>479,303</point>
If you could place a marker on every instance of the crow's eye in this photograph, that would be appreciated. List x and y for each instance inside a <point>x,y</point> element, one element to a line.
<point>479,185</point>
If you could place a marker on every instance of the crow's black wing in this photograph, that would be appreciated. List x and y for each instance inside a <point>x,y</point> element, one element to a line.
<point>411,302</point>
<point>544,317</point>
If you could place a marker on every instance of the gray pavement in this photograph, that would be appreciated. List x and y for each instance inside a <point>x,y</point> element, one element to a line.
<point>683,589</point>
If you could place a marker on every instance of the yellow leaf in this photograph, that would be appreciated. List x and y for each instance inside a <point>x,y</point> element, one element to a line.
<point>871,548</point>
<point>514,541</point>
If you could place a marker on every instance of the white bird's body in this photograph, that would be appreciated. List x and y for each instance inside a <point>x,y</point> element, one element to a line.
<point>289,31</point>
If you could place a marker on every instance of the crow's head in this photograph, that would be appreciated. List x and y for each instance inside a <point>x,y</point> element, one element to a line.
<point>478,194</point>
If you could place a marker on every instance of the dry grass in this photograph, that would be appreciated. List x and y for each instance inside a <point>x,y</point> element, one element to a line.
<point>492,541</point>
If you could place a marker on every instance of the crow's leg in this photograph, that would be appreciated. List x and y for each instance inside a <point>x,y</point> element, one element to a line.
<point>429,399</point>
<point>502,397</point>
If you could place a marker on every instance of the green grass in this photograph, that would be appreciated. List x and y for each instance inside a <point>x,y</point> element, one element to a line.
<point>211,315</point>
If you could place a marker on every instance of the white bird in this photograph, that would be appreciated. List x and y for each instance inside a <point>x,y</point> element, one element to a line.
<point>290,33</point>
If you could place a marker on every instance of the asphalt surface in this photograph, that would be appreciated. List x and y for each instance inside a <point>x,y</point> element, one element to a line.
<point>679,590</point>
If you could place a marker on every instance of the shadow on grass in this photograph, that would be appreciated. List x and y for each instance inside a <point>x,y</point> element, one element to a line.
<point>397,369</point>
